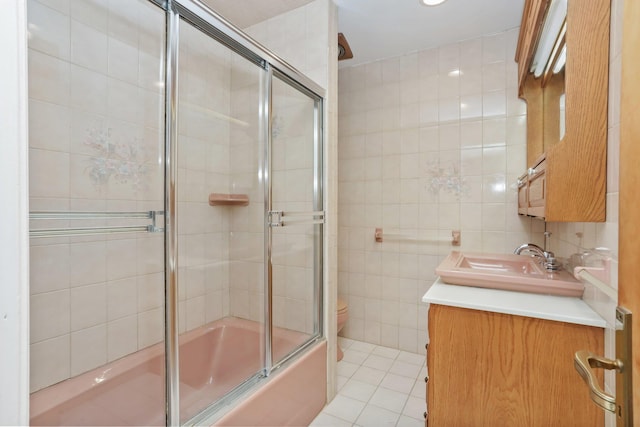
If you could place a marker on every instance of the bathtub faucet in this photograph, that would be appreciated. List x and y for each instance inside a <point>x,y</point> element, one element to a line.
<point>547,259</point>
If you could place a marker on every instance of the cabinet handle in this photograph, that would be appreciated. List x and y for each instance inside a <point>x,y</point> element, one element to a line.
<point>584,361</point>
<point>426,346</point>
<point>425,415</point>
<point>532,171</point>
<point>426,379</point>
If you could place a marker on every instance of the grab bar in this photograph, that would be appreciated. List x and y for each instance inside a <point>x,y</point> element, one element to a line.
<point>89,231</point>
<point>299,218</point>
<point>92,215</point>
<point>380,237</point>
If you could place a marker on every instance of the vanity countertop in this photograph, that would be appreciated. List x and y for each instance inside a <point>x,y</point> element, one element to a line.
<point>549,307</point>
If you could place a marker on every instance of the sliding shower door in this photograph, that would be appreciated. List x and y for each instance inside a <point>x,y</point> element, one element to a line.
<point>176,212</point>
<point>220,196</point>
<point>296,216</point>
<point>96,195</point>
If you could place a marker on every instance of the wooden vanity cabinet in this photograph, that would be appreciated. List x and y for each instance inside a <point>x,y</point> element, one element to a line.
<point>493,369</point>
<point>575,177</point>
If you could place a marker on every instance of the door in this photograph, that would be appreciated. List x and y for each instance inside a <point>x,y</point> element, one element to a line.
<point>295,217</point>
<point>220,197</point>
<point>626,404</point>
<point>629,228</point>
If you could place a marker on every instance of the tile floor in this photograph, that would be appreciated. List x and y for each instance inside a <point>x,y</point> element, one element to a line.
<point>377,386</point>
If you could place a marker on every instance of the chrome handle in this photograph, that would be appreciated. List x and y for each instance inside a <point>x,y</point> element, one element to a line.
<point>295,218</point>
<point>584,362</point>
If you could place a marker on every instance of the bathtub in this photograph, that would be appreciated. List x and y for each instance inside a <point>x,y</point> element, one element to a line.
<point>213,360</point>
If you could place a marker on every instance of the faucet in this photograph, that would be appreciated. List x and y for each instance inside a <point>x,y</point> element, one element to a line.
<point>547,259</point>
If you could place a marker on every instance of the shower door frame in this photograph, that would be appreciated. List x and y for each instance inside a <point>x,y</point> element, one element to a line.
<point>212,24</point>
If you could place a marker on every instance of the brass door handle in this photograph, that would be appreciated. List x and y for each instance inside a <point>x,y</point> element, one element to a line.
<point>584,362</point>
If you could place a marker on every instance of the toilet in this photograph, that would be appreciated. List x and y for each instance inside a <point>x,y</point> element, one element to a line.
<point>343,315</point>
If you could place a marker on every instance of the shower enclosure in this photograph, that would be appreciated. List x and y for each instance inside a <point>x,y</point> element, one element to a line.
<point>176,212</point>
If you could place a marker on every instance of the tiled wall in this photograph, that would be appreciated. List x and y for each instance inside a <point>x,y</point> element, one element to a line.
<point>96,137</point>
<point>300,37</point>
<point>430,142</point>
<point>566,239</point>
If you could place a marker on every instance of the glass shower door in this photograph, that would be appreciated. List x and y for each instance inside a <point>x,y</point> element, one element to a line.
<point>96,166</point>
<point>220,196</point>
<point>296,216</point>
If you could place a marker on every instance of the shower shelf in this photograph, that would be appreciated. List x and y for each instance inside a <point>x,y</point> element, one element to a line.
<point>223,199</point>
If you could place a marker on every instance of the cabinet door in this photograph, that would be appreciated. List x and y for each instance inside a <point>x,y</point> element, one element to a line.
<point>492,369</point>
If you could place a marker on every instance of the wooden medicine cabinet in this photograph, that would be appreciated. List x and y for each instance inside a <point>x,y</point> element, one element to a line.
<point>563,75</point>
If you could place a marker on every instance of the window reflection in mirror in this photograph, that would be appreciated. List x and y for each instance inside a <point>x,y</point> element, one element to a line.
<point>553,90</point>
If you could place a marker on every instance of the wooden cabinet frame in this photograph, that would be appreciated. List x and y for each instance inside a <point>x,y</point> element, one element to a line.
<point>576,166</point>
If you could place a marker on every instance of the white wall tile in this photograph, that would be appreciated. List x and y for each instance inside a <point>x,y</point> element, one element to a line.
<point>50,315</point>
<point>88,349</point>
<point>88,47</point>
<point>463,129</point>
<point>49,268</point>
<point>50,362</point>
<point>48,30</point>
<point>88,306</point>
<point>122,337</point>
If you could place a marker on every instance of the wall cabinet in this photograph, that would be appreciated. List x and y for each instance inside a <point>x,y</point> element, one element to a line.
<point>493,369</point>
<point>575,145</point>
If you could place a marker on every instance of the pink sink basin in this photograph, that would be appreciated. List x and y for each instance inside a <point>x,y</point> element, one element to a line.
<point>506,271</point>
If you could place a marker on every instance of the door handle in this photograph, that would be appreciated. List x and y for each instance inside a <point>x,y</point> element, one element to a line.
<point>277,218</point>
<point>584,362</point>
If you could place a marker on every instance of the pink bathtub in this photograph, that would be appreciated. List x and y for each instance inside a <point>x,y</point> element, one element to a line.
<point>213,360</point>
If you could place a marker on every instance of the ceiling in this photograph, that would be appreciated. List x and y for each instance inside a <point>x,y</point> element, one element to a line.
<point>245,13</point>
<point>377,29</point>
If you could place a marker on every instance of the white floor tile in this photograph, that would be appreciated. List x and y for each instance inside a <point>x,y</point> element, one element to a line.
<point>405,421</point>
<point>341,381</point>
<point>362,346</point>
<point>423,371</point>
<point>369,375</point>
<point>354,356</point>
<point>358,390</point>
<point>345,408</point>
<point>404,369</point>
<point>347,369</point>
<point>326,420</point>
<point>377,362</point>
<point>389,399</point>
<point>373,416</point>
<point>415,408</point>
<point>413,358</point>
<point>377,386</point>
<point>390,353</point>
<point>419,389</point>
<point>398,383</point>
<point>345,342</point>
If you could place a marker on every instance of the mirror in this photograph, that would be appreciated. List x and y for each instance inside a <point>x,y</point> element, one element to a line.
<point>547,76</point>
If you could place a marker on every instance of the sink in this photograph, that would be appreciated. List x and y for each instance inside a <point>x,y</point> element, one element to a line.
<point>506,271</point>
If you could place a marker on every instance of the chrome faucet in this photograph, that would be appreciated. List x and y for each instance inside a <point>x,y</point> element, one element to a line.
<point>547,259</point>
